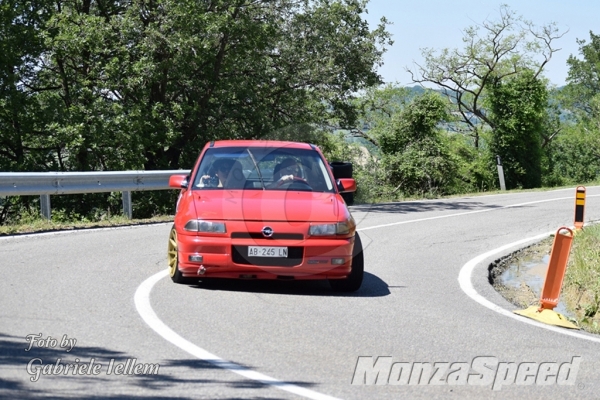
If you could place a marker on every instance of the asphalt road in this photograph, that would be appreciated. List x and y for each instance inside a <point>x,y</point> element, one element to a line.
<point>425,299</point>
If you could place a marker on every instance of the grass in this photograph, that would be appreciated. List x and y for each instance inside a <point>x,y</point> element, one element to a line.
<point>38,225</point>
<point>582,280</point>
<point>400,198</point>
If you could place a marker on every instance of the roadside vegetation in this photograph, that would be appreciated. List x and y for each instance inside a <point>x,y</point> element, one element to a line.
<point>35,224</point>
<point>112,86</point>
<point>581,288</point>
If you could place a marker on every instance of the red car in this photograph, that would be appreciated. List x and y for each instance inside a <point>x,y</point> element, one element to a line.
<point>264,210</point>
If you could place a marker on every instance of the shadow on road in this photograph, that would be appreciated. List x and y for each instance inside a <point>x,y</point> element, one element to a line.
<point>372,286</point>
<point>13,356</point>
<point>166,384</point>
<point>422,206</point>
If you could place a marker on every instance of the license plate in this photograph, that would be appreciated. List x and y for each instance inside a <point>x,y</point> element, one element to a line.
<point>265,251</point>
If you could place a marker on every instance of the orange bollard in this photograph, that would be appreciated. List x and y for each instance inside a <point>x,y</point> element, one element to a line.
<point>553,283</point>
<point>561,247</point>
<point>579,207</point>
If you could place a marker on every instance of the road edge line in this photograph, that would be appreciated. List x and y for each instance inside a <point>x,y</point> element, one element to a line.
<point>464,280</point>
<point>144,309</point>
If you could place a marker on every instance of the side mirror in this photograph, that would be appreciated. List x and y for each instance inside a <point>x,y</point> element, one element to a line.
<point>346,185</point>
<point>179,181</point>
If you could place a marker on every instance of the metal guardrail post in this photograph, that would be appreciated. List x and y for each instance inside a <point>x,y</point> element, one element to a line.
<point>45,206</point>
<point>127,207</point>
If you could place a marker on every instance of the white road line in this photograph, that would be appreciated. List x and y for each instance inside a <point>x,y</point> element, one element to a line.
<point>469,212</point>
<point>464,279</point>
<point>142,304</point>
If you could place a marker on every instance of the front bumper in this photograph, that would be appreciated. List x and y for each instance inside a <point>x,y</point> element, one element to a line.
<point>226,256</point>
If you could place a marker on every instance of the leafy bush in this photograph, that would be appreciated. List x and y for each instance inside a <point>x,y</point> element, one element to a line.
<point>476,168</point>
<point>415,153</point>
<point>573,157</point>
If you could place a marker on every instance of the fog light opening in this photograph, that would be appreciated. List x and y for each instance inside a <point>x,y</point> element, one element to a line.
<point>338,261</point>
<point>286,277</point>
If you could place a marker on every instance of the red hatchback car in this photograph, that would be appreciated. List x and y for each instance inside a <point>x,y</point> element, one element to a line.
<point>264,210</point>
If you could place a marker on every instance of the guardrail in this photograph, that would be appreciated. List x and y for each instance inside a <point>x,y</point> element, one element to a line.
<point>45,184</point>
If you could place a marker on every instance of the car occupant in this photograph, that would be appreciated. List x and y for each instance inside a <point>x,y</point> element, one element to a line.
<point>286,171</point>
<point>221,169</point>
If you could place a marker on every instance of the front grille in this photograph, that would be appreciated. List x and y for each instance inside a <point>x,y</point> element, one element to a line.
<point>212,249</point>
<point>259,235</point>
<point>240,256</point>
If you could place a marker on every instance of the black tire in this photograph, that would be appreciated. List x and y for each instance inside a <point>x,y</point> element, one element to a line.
<point>353,281</point>
<point>348,198</point>
<point>173,259</point>
<point>343,170</point>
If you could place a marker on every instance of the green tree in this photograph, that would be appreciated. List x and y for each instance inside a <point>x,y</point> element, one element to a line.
<point>414,141</point>
<point>145,84</point>
<point>518,112</point>
<point>583,80</point>
<point>575,157</point>
<point>112,85</point>
<point>21,46</point>
<point>415,152</point>
<point>377,105</point>
<point>493,50</point>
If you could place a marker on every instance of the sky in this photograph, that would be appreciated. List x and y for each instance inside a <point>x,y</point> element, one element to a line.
<point>440,24</point>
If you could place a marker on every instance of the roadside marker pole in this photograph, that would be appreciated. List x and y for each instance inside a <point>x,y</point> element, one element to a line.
<point>500,173</point>
<point>561,247</point>
<point>559,256</point>
<point>579,207</point>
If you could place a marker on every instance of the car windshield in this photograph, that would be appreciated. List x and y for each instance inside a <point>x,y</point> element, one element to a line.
<point>263,168</point>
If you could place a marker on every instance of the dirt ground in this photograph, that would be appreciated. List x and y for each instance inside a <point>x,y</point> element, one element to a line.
<point>529,265</point>
<point>521,294</point>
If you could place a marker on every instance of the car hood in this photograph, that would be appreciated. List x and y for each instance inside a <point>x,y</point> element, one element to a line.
<point>267,205</point>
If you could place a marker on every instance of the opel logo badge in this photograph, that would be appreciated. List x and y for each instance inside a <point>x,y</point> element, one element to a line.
<point>267,231</point>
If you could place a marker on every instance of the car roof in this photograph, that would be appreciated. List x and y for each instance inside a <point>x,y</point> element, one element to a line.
<point>261,143</point>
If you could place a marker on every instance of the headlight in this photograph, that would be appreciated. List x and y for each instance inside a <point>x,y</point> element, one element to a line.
<point>198,225</point>
<point>341,228</point>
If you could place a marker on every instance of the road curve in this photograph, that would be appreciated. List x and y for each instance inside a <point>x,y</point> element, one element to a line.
<point>140,336</point>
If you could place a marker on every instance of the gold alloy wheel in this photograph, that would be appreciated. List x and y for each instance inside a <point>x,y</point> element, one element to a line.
<point>172,252</point>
